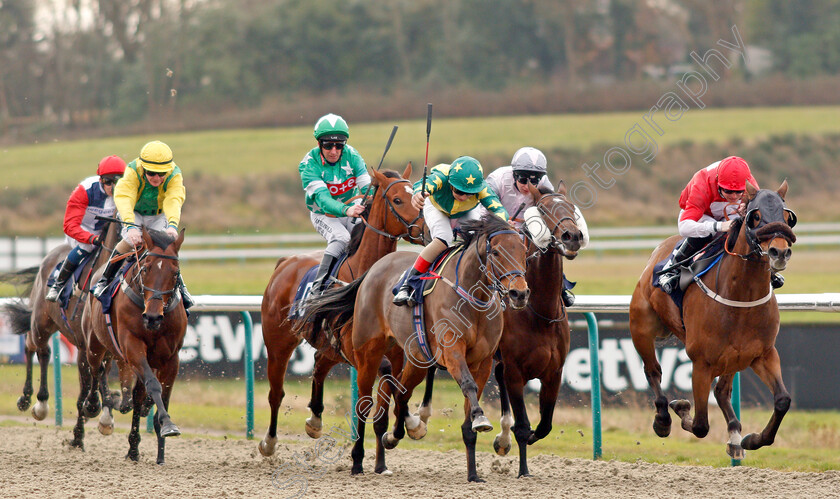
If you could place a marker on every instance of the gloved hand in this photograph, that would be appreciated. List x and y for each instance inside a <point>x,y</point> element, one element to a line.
<point>418,200</point>
<point>95,240</point>
<point>172,231</point>
<point>134,236</point>
<point>355,210</point>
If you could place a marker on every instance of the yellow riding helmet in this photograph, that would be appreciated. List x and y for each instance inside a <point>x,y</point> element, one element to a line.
<point>156,157</point>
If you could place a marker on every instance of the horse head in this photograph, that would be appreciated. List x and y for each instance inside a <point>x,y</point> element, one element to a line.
<point>560,217</point>
<point>504,256</point>
<point>391,206</point>
<point>158,275</point>
<point>767,225</point>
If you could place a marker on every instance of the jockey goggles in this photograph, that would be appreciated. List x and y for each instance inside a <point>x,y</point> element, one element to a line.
<point>330,145</point>
<point>109,180</point>
<point>524,178</point>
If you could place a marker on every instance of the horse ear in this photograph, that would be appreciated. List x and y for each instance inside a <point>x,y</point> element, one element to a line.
<point>179,240</point>
<point>561,188</point>
<point>376,178</point>
<point>147,238</point>
<point>407,172</point>
<point>751,190</point>
<point>535,193</point>
<point>783,189</point>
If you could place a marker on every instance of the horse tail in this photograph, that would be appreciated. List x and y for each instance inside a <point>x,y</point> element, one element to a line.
<point>24,277</point>
<point>335,306</point>
<point>20,315</point>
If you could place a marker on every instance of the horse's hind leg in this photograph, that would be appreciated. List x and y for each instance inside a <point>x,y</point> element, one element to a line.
<point>502,442</point>
<point>643,327</point>
<point>769,369</point>
<point>25,400</point>
<point>167,376</point>
<point>323,365</point>
<point>410,377</point>
<point>723,395</point>
<point>138,397</point>
<point>84,386</point>
<point>109,401</point>
<point>424,412</point>
<point>42,408</point>
<point>280,347</point>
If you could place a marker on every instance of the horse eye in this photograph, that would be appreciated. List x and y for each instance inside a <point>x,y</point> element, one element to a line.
<point>398,201</point>
<point>495,252</point>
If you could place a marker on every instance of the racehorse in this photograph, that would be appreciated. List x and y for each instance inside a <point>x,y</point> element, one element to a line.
<point>728,322</point>
<point>145,327</point>
<point>535,340</point>
<point>467,324</point>
<point>41,318</point>
<point>391,217</point>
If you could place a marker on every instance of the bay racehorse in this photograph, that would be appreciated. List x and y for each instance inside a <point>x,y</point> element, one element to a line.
<point>391,217</point>
<point>145,327</point>
<point>535,340</point>
<point>729,321</point>
<point>39,319</point>
<point>463,314</point>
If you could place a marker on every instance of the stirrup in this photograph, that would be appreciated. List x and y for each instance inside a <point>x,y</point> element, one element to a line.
<point>101,287</point>
<point>568,298</point>
<point>777,280</point>
<point>55,292</point>
<point>405,296</point>
<point>669,282</point>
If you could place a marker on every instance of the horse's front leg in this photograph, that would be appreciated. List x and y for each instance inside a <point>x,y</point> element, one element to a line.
<point>644,343</point>
<point>723,395</point>
<point>280,344</point>
<point>84,387</point>
<point>701,382</point>
<point>323,365</point>
<point>167,376</point>
<point>42,408</point>
<point>502,442</point>
<point>474,418</point>
<point>515,384</point>
<point>138,397</point>
<point>25,400</point>
<point>424,412</point>
<point>769,369</point>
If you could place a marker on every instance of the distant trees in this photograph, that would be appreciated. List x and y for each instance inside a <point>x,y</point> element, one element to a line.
<point>93,61</point>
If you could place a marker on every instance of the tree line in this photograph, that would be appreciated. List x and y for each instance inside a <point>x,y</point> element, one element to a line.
<point>93,62</point>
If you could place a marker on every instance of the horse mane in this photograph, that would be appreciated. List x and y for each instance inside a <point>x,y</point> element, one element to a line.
<point>160,238</point>
<point>359,229</point>
<point>473,229</point>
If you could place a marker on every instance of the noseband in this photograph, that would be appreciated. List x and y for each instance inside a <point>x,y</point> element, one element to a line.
<point>139,299</point>
<point>409,226</point>
<point>556,244</point>
<point>493,276</point>
<point>763,231</point>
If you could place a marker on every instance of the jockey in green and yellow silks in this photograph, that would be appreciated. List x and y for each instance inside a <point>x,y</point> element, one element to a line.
<point>454,193</point>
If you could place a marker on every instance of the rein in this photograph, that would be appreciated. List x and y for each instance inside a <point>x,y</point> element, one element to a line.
<point>495,280</point>
<point>408,225</point>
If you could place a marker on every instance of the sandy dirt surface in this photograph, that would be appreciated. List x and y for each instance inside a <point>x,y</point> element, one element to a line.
<point>35,461</point>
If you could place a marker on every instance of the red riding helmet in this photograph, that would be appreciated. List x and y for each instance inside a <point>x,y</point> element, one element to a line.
<point>112,165</point>
<point>733,173</point>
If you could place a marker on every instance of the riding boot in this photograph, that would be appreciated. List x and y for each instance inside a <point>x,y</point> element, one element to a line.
<point>405,295</point>
<point>322,276</point>
<point>670,280</point>
<point>64,274</point>
<point>186,297</point>
<point>777,280</point>
<point>107,275</point>
<point>568,297</point>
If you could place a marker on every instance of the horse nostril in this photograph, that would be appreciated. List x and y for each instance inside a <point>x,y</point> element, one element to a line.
<point>566,238</point>
<point>788,252</point>
<point>773,252</point>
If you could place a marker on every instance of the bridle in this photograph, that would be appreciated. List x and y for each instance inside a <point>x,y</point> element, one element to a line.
<point>753,223</point>
<point>556,245</point>
<point>491,264</point>
<point>409,226</point>
<point>167,297</point>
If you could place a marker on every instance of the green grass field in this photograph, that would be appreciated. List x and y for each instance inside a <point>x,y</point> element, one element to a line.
<point>807,441</point>
<point>229,153</point>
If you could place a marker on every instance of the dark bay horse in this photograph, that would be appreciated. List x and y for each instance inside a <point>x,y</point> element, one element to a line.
<point>728,326</point>
<point>535,340</point>
<point>390,218</point>
<point>145,327</point>
<point>463,315</point>
<point>40,318</point>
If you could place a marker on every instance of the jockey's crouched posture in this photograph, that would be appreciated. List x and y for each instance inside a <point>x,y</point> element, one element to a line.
<point>150,194</point>
<point>454,192</point>
<point>92,197</point>
<point>332,173</point>
<point>511,185</point>
<point>712,199</point>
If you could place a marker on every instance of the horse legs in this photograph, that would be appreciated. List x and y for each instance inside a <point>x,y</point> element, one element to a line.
<point>388,385</point>
<point>95,353</point>
<point>156,391</point>
<point>109,401</point>
<point>474,418</point>
<point>84,387</point>
<point>138,398</point>
<point>548,401</point>
<point>768,368</point>
<point>42,408</point>
<point>425,409</point>
<point>25,400</point>
<point>368,360</point>
<point>280,347</point>
<point>701,382</point>
<point>502,443</point>
<point>167,375</point>
<point>723,395</point>
<point>323,365</point>
<point>410,377</point>
<point>515,385</point>
<point>653,372</point>
<point>127,379</point>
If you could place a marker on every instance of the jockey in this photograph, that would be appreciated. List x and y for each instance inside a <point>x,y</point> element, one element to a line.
<point>150,194</point>
<point>332,173</point>
<point>708,204</point>
<point>92,197</point>
<point>511,185</point>
<point>452,194</point>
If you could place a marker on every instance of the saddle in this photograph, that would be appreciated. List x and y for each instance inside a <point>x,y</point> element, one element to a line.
<point>298,307</point>
<point>76,278</point>
<point>700,263</point>
<point>423,284</point>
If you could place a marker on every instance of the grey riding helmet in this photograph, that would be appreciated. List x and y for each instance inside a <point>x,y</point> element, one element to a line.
<point>530,160</point>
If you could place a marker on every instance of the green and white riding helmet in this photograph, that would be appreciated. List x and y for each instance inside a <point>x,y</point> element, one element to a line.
<point>331,127</point>
<point>466,175</point>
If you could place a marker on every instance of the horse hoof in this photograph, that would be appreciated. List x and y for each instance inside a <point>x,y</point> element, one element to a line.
<point>385,472</point>
<point>475,479</point>
<point>106,429</point>
<point>735,451</point>
<point>751,441</point>
<point>267,446</point>
<point>424,413</point>
<point>662,426</point>
<point>169,429</point>
<point>482,424</point>
<point>388,440</point>
<point>91,409</point>
<point>40,411</point>
<point>23,403</point>
<point>418,431</point>
<point>311,430</point>
<point>500,449</point>
<point>77,444</point>
<point>680,407</point>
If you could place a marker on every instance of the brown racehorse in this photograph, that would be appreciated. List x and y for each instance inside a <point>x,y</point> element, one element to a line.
<point>391,217</point>
<point>464,320</point>
<point>149,323</point>
<point>39,319</point>
<point>535,340</point>
<point>726,328</point>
